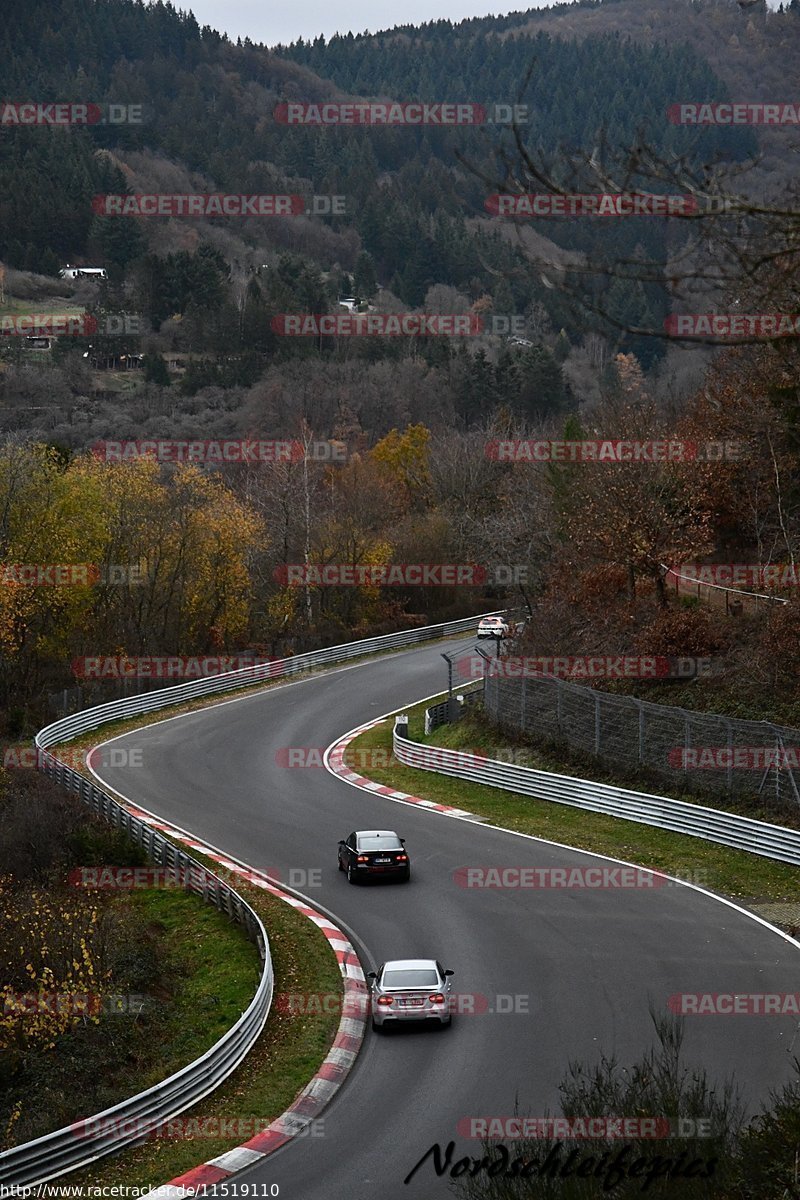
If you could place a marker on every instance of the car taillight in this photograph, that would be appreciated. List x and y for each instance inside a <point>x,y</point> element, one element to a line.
<point>363,858</point>
<point>401,858</point>
<point>437,999</point>
<point>385,1000</point>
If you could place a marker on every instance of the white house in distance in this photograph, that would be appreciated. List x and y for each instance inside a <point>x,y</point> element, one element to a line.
<point>69,272</point>
<point>352,305</point>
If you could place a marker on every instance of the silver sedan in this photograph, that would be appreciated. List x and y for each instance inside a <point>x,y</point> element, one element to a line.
<point>410,989</point>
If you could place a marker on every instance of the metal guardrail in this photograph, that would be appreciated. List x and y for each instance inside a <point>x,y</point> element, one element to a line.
<point>439,714</point>
<point>116,710</point>
<point>727,829</point>
<point>76,1145</point>
<point>128,1122</point>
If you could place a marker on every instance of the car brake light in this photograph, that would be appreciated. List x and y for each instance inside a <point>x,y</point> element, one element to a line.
<point>437,999</point>
<point>385,1000</point>
<point>363,858</point>
<point>402,858</point>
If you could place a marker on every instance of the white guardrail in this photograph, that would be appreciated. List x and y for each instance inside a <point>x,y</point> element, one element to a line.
<point>682,580</point>
<point>88,1139</point>
<point>727,829</point>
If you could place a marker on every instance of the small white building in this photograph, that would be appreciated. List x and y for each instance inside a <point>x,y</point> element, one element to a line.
<point>69,272</point>
<point>352,305</point>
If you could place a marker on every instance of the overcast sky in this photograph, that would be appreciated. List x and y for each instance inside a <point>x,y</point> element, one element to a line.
<point>271,22</point>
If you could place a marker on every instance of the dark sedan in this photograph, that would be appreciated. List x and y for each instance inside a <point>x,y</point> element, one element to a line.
<point>372,854</point>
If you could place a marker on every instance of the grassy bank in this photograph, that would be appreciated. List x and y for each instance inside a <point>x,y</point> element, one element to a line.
<point>767,887</point>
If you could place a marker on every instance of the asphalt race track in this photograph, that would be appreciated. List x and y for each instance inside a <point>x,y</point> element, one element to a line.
<point>585,963</point>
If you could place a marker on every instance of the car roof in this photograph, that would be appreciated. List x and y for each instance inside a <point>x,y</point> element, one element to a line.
<point>410,964</point>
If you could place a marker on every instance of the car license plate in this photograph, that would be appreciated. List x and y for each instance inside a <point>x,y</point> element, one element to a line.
<point>412,1003</point>
<point>382,860</point>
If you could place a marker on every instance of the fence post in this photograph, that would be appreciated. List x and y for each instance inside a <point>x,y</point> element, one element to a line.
<point>729,727</point>
<point>686,740</point>
<point>641,732</point>
<point>597,722</point>
<point>559,689</point>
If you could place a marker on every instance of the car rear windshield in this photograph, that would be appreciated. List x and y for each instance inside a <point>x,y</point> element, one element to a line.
<point>410,979</point>
<point>379,843</point>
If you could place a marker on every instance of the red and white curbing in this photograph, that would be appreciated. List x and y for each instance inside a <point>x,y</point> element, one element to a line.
<point>334,759</point>
<point>330,1076</point>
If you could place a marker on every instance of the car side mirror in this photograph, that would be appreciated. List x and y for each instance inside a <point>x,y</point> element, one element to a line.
<point>449,972</point>
<point>341,841</point>
<point>402,841</point>
<point>371,975</point>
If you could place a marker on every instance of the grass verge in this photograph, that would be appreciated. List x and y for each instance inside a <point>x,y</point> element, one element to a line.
<point>285,1057</point>
<point>195,973</point>
<point>770,888</point>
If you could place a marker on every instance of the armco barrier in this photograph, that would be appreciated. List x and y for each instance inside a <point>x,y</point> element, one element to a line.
<point>727,829</point>
<point>76,1145</point>
<point>69,1148</point>
<point>118,710</point>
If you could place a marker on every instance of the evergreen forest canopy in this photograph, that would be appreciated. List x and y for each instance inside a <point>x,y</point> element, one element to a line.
<point>410,203</point>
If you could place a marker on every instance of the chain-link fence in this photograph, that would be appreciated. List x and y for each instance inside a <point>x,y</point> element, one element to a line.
<point>689,751</point>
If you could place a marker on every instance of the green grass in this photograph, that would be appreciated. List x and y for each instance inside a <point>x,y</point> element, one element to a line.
<point>22,308</point>
<point>217,969</point>
<point>198,972</point>
<point>733,873</point>
<point>283,1060</point>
